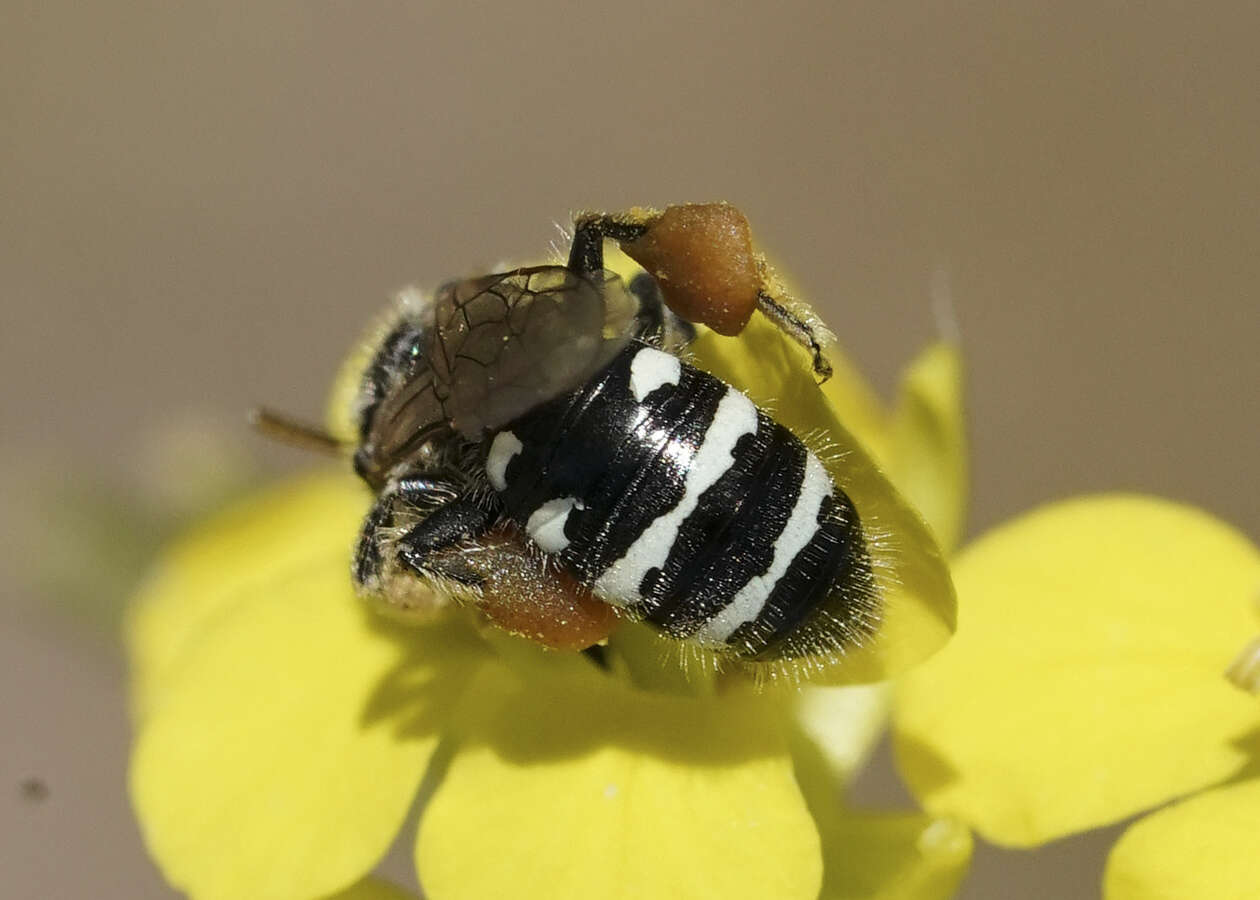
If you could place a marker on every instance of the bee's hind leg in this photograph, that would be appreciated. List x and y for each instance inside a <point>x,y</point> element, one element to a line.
<point>590,230</point>
<point>805,333</point>
<point>705,267</point>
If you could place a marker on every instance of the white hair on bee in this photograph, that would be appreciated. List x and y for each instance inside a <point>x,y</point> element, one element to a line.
<point>348,396</point>
<point>774,285</point>
<point>558,252</point>
<point>397,591</point>
<point>409,303</point>
<point>391,589</point>
<point>413,302</point>
<point>877,534</point>
<point>696,663</point>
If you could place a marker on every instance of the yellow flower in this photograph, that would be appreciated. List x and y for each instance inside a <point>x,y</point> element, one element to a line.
<point>1086,684</point>
<point>283,733</point>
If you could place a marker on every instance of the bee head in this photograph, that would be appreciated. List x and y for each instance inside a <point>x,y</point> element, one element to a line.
<point>395,408</point>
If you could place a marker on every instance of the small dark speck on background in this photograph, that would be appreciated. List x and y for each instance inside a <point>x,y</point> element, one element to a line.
<point>33,790</point>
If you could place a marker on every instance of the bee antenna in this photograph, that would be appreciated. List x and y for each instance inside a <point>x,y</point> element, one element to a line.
<point>280,427</point>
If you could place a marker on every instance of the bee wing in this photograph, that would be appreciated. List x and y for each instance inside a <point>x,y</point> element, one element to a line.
<point>502,344</point>
<point>506,343</point>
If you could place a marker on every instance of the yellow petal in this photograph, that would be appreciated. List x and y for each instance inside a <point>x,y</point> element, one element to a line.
<point>1202,847</point>
<point>1244,671</point>
<point>894,856</point>
<point>586,788</point>
<point>928,459</point>
<point>238,555</point>
<point>290,739</point>
<point>918,613</point>
<point>867,854</point>
<point>855,403</point>
<point>844,723</point>
<point>372,889</point>
<point>1085,682</point>
<point>656,662</point>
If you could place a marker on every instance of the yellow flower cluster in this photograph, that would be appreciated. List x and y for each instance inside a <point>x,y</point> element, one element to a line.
<point>283,733</point>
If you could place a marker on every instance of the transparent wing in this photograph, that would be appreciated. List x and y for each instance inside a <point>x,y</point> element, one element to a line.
<point>499,345</point>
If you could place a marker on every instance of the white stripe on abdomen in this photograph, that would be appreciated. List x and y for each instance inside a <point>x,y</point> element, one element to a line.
<point>546,524</point>
<point>504,446</point>
<point>800,527</point>
<point>734,417</point>
<point>651,369</point>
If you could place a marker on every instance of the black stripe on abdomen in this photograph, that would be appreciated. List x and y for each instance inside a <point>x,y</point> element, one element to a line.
<point>646,479</point>
<point>730,537</point>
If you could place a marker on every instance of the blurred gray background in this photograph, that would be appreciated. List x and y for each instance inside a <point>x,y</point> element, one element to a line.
<point>201,206</point>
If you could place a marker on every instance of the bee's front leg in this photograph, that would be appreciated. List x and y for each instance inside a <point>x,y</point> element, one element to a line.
<point>422,548</point>
<point>408,558</point>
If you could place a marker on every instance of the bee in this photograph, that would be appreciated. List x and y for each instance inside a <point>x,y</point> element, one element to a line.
<point>540,447</point>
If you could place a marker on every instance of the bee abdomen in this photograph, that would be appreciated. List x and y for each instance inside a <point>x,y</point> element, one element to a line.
<point>670,494</point>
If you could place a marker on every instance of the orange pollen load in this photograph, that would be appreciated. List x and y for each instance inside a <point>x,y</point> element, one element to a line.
<point>547,606</point>
<point>701,254</point>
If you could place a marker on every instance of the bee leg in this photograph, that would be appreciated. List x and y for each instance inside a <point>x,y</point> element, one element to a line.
<point>431,515</point>
<point>655,323</point>
<point>368,569</point>
<point>422,548</point>
<point>590,230</point>
<point>702,257</point>
<point>797,328</point>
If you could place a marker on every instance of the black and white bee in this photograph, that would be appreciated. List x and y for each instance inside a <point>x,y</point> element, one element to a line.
<point>555,405</point>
